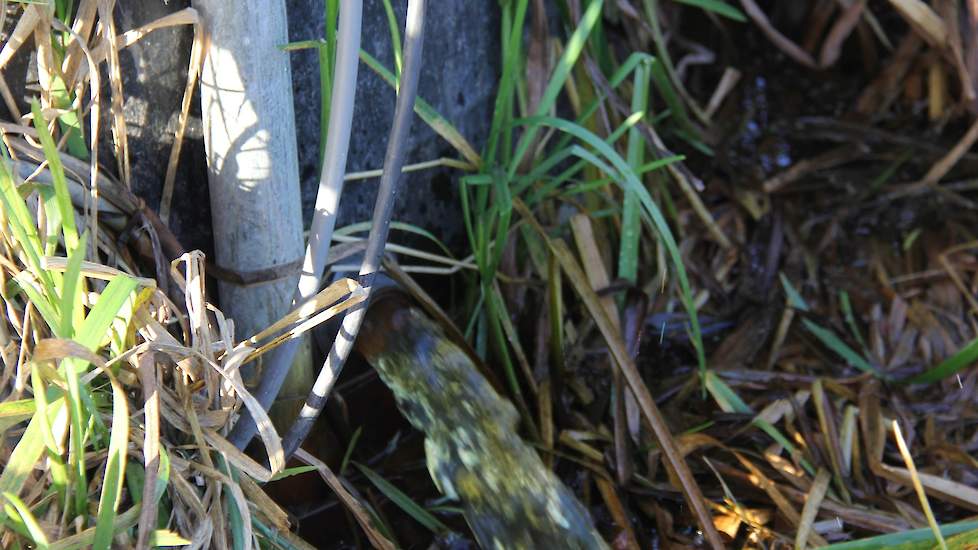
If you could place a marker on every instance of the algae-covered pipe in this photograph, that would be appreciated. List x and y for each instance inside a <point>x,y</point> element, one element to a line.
<point>474,454</point>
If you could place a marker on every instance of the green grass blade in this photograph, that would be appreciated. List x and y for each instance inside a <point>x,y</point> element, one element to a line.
<point>964,541</point>
<point>20,463</point>
<point>395,33</point>
<point>90,335</point>
<point>22,225</point>
<point>115,470</point>
<point>599,183</point>
<point>498,318</point>
<point>236,522</point>
<point>39,297</point>
<point>71,311</point>
<point>541,168</point>
<point>327,61</point>
<point>664,71</point>
<point>831,341</point>
<point>428,114</point>
<point>913,539</point>
<point>124,521</point>
<point>794,297</point>
<point>850,317</point>
<point>15,412</point>
<point>163,478</point>
<point>729,401</point>
<point>11,521</point>
<point>660,75</point>
<point>403,501</point>
<point>502,113</point>
<point>718,7</point>
<point>570,150</point>
<point>631,229</point>
<point>503,204</point>
<point>572,51</point>
<point>600,49</point>
<point>69,229</point>
<point>886,175</point>
<point>69,121</point>
<point>725,396</point>
<point>363,227</point>
<point>625,70</point>
<point>33,528</point>
<point>467,217</point>
<point>52,219</point>
<point>136,478</point>
<point>100,318</point>
<point>59,472</point>
<point>271,537</point>
<point>965,357</point>
<point>325,97</point>
<point>594,161</point>
<point>651,214</point>
<point>694,141</point>
<point>349,450</point>
<point>79,416</point>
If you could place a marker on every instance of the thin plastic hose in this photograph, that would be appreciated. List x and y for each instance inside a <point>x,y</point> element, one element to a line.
<point>327,201</point>
<point>386,195</point>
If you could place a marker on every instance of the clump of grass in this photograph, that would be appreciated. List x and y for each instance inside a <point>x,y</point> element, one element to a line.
<point>116,391</point>
<point>109,396</point>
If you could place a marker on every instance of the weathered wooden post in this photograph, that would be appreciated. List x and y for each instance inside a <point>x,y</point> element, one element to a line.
<point>249,133</point>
